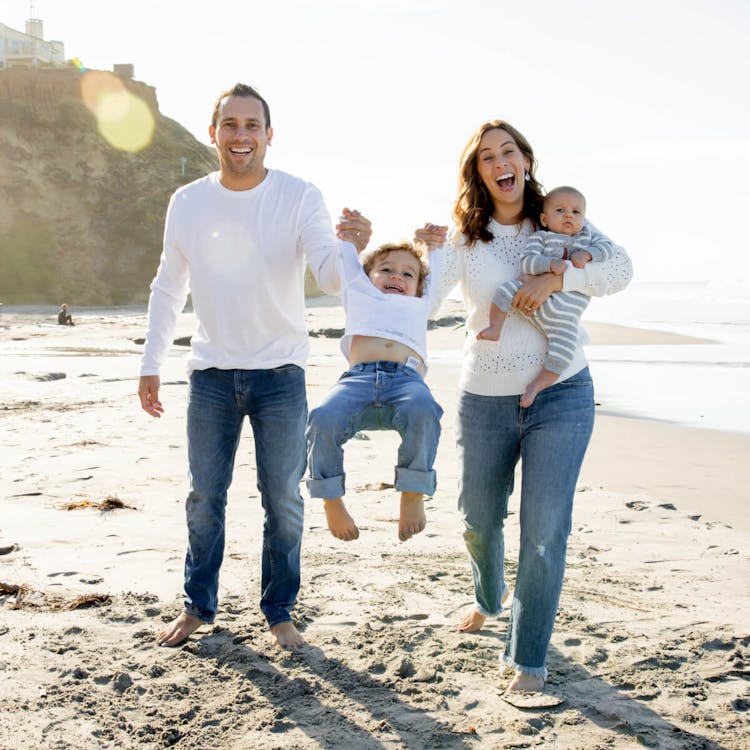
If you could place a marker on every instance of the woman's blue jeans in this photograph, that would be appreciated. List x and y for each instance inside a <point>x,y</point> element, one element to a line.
<point>550,439</point>
<point>375,396</point>
<point>276,404</point>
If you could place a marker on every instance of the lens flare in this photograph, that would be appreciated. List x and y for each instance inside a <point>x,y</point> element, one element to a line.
<point>123,119</point>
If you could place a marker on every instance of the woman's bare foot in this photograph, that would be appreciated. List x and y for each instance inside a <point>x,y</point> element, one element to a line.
<point>179,630</point>
<point>526,683</point>
<point>474,620</point>
<point>412,519</point>
<point>543,380</point>
<point>340,523</point>
<point>471,622</point>
<point>286,635</point>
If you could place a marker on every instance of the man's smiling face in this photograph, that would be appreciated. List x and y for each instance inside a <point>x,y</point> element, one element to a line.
<point>241,138</point>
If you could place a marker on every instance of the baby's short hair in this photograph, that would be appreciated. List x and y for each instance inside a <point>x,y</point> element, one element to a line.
<point>564,189</point>
<point>369,259</point>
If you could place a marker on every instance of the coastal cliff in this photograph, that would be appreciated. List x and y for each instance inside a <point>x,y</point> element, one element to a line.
<point>80,219</point>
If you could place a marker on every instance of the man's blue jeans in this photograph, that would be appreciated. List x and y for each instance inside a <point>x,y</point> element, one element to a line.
<point>550,438</point>
<point>375,396</point>
<point>276,404</point>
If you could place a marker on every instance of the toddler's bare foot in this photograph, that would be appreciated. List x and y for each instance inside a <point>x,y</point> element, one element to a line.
<point>527,683</point>
<point>491,333</point>
<point>412,519</point>
<point>179,630</point>
<point>285,635</point>
<point>471,622</point>
<point>543,380</point>
<point>340,523</point>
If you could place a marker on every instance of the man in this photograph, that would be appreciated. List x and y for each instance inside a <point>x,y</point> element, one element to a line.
<point>238,240</point>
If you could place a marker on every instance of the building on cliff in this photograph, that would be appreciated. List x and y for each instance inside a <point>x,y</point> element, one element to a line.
<point>28,50</point>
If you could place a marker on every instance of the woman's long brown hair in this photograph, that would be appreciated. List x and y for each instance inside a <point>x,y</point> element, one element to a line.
<point>474,208</point>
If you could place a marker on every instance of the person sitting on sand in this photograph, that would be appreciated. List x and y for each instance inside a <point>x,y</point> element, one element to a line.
<point>63,318</point>
<point>387,303</point>
<point>569,238</point>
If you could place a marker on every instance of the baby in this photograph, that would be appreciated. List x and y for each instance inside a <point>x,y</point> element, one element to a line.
<point>569,238</point>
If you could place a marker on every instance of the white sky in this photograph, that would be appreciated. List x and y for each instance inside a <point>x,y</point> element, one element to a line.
<point>643,106</point>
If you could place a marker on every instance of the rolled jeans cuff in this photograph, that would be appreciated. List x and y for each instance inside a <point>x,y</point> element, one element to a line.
<point>201,614</point>
<point>410,480</point>
<point>534,671</point>
<point>482,611</point>
<point>273,621</point>
<point>328,489</point>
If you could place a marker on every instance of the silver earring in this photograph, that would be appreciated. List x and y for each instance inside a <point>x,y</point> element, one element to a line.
<point>528,176</point>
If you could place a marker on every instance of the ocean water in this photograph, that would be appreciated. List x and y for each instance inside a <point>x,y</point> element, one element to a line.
<point>701,384</point>
<point>696,384</point>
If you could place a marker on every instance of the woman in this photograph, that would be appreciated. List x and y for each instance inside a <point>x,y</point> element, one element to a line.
<point>497,208</point>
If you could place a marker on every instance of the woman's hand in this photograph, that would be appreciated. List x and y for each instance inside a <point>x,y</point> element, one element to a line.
<point>431,235</point>
<point>354,228</point>
<point>535,290</point>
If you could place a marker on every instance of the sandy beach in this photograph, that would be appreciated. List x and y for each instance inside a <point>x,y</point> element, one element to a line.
<point>652,641</point>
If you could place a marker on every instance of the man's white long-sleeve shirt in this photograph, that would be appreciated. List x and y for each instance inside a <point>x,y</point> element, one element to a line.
<point>242,257</point>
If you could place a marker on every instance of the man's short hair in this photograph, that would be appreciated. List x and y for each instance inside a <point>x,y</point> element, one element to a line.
<point>240,89</point>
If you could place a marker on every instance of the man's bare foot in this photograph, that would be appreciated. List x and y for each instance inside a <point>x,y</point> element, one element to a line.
<point>179,630</point>
<point>474,620</point>
<point>412,519</point>
<point>543,380</point>
<point>286,635</point>
<point>471,622</point>
<point>491,333</point>
<point>526,683</point>
<point>340,523</point>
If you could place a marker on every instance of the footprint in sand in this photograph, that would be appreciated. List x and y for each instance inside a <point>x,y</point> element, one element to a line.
<point>532,701</point>
<point>636,505</point>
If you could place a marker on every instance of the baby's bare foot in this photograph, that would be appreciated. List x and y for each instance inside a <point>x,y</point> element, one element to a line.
<point>285,635</point>
<point>491,333</point>
<point>527,683</point>
<point>340,523</point>
<point>179,630</point>
<point>529,395</point>
<point>412,519</point>
<point>543,380</point>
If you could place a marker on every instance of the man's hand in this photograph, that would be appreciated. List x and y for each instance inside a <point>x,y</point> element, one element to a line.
<point>354,228</point>
<point>148,393</point>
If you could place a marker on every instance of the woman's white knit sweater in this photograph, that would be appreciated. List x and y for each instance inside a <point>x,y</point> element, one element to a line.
<point>507,366</point>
